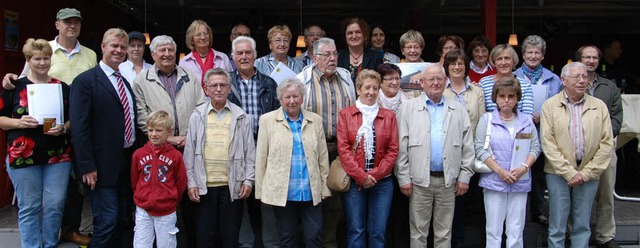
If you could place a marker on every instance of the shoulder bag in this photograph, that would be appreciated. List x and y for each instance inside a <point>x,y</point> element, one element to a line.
<point>478,165</point>
<point>338,179</point>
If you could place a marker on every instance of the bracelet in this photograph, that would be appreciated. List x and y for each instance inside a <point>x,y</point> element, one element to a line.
<point>525,165</point>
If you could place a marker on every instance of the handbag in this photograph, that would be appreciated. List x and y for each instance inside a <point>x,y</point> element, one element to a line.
<point>338,179</point>
<point>478,165</point>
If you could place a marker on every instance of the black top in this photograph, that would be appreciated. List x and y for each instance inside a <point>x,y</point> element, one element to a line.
<point>28,147</point>
<point>370,60</point>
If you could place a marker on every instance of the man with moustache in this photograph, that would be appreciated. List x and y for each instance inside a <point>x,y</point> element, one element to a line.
<point>329,90</point>
<point>103,133</point>
<point>255,93</point>
<point>608,92</point>
<point>311,34</point>
<point>436,133</point>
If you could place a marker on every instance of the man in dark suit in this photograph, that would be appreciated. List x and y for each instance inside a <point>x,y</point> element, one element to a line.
<point>103,120</point>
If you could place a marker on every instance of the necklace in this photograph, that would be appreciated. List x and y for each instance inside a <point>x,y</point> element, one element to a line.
<point>505,119</point>
<point>355,58</point>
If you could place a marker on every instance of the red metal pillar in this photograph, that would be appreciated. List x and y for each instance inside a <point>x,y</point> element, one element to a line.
<point>489,12</point>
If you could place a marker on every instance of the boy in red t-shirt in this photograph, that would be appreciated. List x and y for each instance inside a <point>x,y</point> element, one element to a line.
<point>158,179</point>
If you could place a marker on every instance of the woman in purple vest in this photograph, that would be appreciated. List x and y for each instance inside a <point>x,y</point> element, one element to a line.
<point>513,147</point>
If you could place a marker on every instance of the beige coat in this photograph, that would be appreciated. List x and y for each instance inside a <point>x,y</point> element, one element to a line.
<point>273,157</point>
<point>415,148</point>
<point>556,139</point>
<point>474,99</point>
<point>151,96</point>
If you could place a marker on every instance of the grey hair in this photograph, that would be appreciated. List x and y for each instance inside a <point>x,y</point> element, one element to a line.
<point>536,41</point>
<point>288,83</point>
<point>161,40</point>
<point>429,65</point>
<point>216,71</point>
<point>321,43</point>
<point>497,50</point>
<point>243,39</point>
<point>567,68</point>
<point>306,30</point>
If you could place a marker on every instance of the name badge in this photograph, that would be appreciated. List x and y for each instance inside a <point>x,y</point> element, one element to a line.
<point>523,136</point>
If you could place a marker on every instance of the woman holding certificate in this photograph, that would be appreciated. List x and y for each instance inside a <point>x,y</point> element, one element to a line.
<point>39,156</point>
<point>513,147</point>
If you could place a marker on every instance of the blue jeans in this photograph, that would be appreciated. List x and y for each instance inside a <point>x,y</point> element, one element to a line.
<point>366,212</point>
<point>104,206</point>
<point>41,192</point>
<point>565,200</point>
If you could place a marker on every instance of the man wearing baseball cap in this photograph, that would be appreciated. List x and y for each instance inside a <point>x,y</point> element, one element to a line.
<point>135,58</point>
<point>69,59</point>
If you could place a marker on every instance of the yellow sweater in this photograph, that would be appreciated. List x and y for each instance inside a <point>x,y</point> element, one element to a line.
<point>216,149</point>
<point>66,69</point>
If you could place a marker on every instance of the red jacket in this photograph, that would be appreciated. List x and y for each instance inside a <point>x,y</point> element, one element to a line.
<point>386,130</point>
<point>158,178</point>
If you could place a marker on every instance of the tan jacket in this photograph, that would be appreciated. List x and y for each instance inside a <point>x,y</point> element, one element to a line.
<point>151,96</point>
<point>273,157</point>
<point>415,148</point>
<point>556,139</point>
<point>473,98</point>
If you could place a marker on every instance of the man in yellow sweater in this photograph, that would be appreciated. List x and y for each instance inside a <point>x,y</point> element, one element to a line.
<point>68,60</point>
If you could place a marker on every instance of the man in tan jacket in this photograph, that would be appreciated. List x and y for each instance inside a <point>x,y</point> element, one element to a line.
<point>577,141</point>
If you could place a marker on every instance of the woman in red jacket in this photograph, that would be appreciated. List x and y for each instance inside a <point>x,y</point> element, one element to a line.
<point>368,201</point>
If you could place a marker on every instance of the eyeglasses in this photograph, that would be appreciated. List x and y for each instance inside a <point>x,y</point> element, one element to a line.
<point>590,58</point>
<point>417,48</point>
<point>202,35</point>
<point>391,79</point>
<point>216,86</point>
<point>333,54</point>
<point>315,35</point>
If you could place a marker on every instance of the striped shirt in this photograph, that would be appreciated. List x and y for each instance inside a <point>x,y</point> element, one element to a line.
<point>369,164</point>
<point>575,125</point>
<point>525,105</point>
<point>266,64</point>
<point>299,184</point>
<point>327,97</point>
<point>249,93</point>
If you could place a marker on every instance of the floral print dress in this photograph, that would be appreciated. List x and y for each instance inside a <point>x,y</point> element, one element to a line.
<point>28,147</point>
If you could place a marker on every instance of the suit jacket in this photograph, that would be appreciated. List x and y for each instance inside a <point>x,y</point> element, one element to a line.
<point>97,126</point>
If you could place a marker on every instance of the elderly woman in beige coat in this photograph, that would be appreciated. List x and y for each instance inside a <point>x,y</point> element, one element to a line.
<point>292,165</point>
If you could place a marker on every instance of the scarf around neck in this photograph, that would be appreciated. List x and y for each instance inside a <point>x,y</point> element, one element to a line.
<point>369,114</point>
<point>391,103</point>
<point>533,75</point>
<point>206,65</point>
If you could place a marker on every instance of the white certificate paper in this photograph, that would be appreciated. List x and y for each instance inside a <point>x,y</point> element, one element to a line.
<point>539,96</point>
<point>281,72</point>
<point>45,101</point>
<point>519,154</point>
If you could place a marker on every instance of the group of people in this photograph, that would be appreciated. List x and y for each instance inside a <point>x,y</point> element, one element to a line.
<point>212,152</point>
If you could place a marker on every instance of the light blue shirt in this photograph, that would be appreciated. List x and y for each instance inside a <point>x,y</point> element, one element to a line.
<point>268,63</point>
<point>114,82</point>
<point>436,119</point>
<point>299,185</point>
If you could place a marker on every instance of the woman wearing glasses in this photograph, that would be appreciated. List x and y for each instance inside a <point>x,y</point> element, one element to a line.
<point>412,44</point>
<point>279,40</point>
<point>202,57</point>
<point>479,66</point>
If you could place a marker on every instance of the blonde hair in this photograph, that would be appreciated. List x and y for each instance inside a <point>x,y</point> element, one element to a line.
<point>191,31</point>
<point>31,46</point>
<point>114,33</point>
<point>279,29</point>
<point>160,118</point>
<point>410,36</point>
<point>367,74</point>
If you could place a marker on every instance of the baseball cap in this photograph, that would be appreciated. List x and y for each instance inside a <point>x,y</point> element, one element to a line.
<point>67,13</point>
<point>137,35</point>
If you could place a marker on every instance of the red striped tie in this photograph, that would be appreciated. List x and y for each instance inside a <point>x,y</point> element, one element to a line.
<point>128,123</point>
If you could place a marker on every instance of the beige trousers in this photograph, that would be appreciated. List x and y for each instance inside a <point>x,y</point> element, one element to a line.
<point>436,200</point>
<point>605,228</point>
